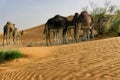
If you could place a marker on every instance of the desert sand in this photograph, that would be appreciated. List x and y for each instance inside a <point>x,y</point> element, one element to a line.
<point>90,60</point>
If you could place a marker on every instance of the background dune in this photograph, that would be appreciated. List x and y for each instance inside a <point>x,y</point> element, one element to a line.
<point>34,34</point>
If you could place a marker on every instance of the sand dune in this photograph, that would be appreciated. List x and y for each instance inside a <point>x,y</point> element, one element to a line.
<point>91,60</point>
<point>33,34</point>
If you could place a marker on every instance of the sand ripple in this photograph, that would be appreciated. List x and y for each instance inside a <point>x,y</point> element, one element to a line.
<point>94,60</point>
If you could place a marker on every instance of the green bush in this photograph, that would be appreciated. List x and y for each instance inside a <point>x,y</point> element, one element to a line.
<point>9,55</point>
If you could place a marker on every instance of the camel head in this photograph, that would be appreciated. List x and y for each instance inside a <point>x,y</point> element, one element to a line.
<point>76,15</point>
<point>84,13</point>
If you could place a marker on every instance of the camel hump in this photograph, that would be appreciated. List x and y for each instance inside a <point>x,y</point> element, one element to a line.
<point>57,16</point>
<point>8,22</point>
<point>9,25</point>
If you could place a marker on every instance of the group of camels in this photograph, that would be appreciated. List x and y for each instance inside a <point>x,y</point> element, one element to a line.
<point>11,34</point>
<point>59,24</point>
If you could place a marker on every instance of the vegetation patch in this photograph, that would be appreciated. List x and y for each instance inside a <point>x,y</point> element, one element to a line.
<point>9,55</point>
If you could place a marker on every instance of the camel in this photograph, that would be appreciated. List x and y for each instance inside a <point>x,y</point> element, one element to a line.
<point>56,24</point>
<point>100,24</point>
<point>71,24</point>
<point>7,33</point>
<point>85,22</point>
<point>17,35</point>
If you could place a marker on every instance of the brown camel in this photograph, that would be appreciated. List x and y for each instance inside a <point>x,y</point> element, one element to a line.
<point>100,24</point>
<point>7,33</point>
<point>71,24</point>
<point>17,35</point>
<point>85,22</point>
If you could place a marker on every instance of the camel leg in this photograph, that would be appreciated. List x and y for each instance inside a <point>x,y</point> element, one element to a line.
<point>91,33</point>
<point>7,40</point>
<point>84,37</point>
<point>55,37</point>
<point>7,37</point>
<point>70,32</point>
<point>64,34</point>
<point>88,34</point>
<point>48,40</point>
<point>47,36</point>
<point>59,36</point>
<point>10,38</point>
<point>76,32</point>
<point>14,39</point>
<point>4,39</point>
<point>17,40</point>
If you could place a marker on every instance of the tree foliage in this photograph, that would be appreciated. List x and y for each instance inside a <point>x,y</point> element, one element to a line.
<point>111,12</point>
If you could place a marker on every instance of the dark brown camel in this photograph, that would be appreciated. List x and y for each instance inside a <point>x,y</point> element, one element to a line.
<point>7,33</point>
<point>85,22</point>
<point>56,24</point>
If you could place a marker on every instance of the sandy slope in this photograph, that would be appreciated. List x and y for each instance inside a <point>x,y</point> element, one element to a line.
<point>33,34</point>
<point>94,60</point>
